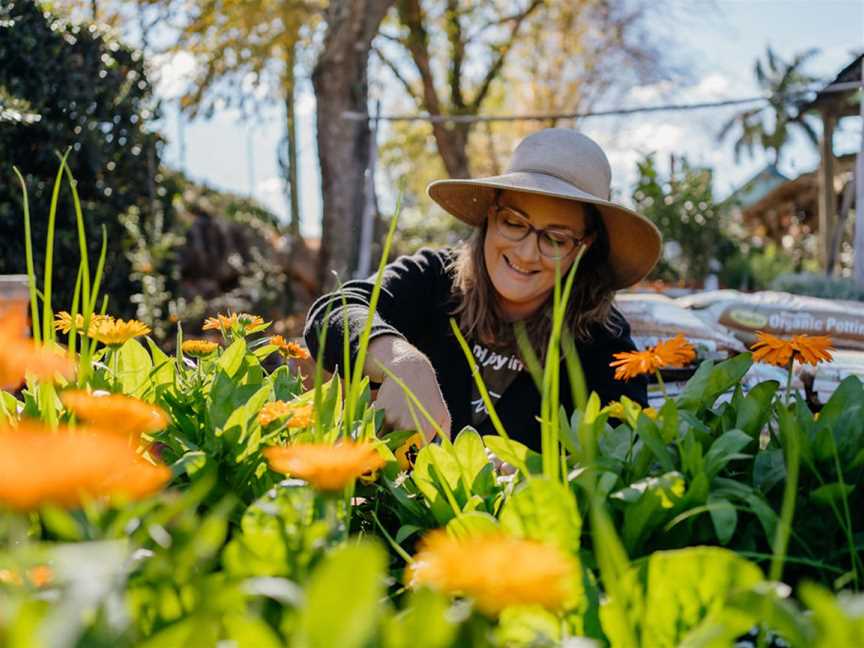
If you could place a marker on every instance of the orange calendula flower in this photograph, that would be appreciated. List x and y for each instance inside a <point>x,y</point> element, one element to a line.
<point>66,467</point>
<point>406,454</point>
<point>115,412</point>
<point>115,332</point>
<point>245,322</point>
<point>667,353</point>
<point>676,351</point>
<point>629,364</point>
<point>301,414</point>
<point>289,350</point>
<point>63,321</point>
<point>327,467</point>
<point>809,349</point>
<point>19,355</point>
<point>199,348</point>
<point>496,571</point>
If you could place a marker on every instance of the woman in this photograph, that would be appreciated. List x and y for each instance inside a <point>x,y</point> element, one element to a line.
<point>550,206</point>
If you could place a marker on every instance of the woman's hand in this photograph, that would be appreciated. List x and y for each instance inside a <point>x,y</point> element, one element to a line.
<point>414,369</point>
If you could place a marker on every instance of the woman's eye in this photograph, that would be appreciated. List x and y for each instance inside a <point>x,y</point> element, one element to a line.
<point>556,238</point>
<point>512,221</point>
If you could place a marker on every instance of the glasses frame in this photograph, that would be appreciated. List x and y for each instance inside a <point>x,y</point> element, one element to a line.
<point>497,208</point>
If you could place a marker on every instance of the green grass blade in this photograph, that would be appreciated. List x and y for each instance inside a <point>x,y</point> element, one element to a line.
<point>28,252</point>
<point>48,332</point>
<point>360,360</point>
<point>82,238</point>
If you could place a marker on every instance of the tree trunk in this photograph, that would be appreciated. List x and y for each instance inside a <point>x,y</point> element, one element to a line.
<point>340,83</point>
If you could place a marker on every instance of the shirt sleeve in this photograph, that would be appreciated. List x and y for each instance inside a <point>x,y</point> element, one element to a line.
<point>413,289</point>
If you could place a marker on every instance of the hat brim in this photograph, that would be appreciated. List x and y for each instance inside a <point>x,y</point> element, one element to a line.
<point>635,242</point>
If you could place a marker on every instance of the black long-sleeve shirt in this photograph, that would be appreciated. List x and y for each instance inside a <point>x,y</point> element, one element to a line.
<point>416,302</point>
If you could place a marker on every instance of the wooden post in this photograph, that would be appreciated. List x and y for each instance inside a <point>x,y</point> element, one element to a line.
<point>370,208</point>
<point>827,198</point>
<point>859,195</point>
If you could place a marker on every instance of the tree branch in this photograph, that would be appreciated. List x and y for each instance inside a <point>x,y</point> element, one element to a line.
<point>396,73</point>
<point>417,42</point>
<point>503,50</point>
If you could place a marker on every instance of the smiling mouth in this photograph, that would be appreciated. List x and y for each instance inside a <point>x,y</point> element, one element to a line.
<point>524,273</point>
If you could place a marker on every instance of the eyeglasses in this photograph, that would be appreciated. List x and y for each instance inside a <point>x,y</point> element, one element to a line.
<point>552,242</point>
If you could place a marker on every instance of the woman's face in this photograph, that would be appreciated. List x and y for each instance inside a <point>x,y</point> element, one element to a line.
<point>523,278</point>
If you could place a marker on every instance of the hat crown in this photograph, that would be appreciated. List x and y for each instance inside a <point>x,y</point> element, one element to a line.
<point>566,155</point>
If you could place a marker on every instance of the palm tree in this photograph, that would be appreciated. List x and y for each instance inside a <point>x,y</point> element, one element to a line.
<point>768,126</point>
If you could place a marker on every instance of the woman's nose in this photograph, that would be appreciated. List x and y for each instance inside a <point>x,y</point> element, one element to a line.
<point>527,247</point>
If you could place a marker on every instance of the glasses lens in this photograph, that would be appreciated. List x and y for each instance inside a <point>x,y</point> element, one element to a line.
<point>555,245</point>
<point>511,225</point>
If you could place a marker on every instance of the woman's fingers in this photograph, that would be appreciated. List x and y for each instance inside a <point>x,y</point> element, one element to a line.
<point>401,413</point>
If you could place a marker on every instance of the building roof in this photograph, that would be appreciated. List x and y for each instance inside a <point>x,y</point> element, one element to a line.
<point>757,187</point>
<point>839,103</point>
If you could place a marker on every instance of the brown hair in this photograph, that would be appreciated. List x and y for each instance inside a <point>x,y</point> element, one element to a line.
<point>590,300</point>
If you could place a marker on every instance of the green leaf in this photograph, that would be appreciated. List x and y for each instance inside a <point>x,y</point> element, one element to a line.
<point>648,504</point>
<point>754,410</point>
<point>724,516</point>
<point>833,493</point>
<point>545,510</point>
<point>343,598</point>
<point>769,469</point>
<point>279,535</point>
<point>688,588</point>
<point>429,482</point>
<point>406,531</point>
<point>472,524</point>
<point>133,367</point>
<point>427,622</point>
<point>528,626</point>
<point>837,619</point>
<point>471,455</point>
<point>710,381</point>
<point>650,435</point>
<point>514,453</point>
<point>724,449</point>
<point>232,358</point>
<point>247,631</point>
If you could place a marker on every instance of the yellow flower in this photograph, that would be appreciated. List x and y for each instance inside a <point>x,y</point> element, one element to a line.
<point>496,571</point>
<point>199,348</point>
<point>234,322</point>
<point>673,352</point>
<point>289,350</point>
<point>810,349</point>
<point>20,356</point>
<point>301,414</point>
<point>406,454</point>
<point>327,467</point>
<point>114,332</point>
<point>68,467</point>
<point>63,321</point>
<point>628,412</point>
<point>115,412</point>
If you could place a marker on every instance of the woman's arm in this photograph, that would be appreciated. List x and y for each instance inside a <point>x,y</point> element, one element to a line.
<point>413,291</point>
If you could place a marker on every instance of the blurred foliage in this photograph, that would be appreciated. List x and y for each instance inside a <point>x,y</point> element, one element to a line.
<point>768,126</point>
<point>755,267</point>
<point>85,90</point>
<point>818,285</point>
<point>683,208</point>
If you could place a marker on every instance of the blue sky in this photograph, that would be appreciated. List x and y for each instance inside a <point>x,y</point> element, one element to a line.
<point>719,41</point>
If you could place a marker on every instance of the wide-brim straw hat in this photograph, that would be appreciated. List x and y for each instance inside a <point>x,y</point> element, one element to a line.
<point>562,163</point>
